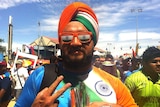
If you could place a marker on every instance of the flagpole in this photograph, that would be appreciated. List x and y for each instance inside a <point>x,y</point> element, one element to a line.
<point>38,38</point>
<point>10,37</point>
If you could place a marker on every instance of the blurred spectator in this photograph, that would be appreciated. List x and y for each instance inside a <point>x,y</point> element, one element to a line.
<point>5,85</point>
<point>119,62</point>
<point>109,57</point>
<point>30,69</point>
<point>127,67</point>
<point>136,63</point>
<point>130,65</point>
<point>109,66</point>
<point>96,61</point>
<point>20,75</point>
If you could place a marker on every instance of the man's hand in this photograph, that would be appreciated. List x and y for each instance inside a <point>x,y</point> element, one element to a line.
<point>46,98</point>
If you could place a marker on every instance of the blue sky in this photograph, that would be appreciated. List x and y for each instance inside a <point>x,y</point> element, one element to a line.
<point>116,21</point>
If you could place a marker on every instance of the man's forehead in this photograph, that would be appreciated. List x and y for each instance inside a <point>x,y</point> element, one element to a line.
<point>75,26</point>
<point>156,58</point>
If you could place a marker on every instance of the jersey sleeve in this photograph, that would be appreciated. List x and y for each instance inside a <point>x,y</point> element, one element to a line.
<point>129,83</point>
<point>31,88</point>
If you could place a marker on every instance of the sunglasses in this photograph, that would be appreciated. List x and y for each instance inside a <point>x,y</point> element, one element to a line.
<point>84,37</point>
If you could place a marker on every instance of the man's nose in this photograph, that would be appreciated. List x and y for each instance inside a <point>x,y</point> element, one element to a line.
<point>76,41</point>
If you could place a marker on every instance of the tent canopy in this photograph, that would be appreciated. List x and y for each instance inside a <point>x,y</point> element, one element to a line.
<point>45,41</point>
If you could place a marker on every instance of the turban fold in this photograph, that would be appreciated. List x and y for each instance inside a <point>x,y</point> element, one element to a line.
<point>78,11</point>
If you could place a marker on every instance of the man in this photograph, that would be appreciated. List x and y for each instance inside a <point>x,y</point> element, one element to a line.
<point>111,68</point>
<point>96,61</point>
<point>78,34</point>
<point>5,85</point>
<point>20,75</point>
<point>109,57</point>
<point>127,67</point>
<point>145,84</point>
<point>136,63</point>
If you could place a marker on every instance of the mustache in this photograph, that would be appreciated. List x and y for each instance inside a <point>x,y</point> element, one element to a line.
<point>73,49</point>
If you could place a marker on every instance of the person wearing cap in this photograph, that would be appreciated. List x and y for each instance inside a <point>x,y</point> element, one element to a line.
<point>20,75</point>
<point>111,68</point>
<point>78,34</point>
<point>145,83</point>
<point>5,85</point>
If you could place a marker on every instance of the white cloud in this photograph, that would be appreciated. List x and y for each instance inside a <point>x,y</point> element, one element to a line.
<point>141,35</point>
<point>15,46</point>
<point>4,4</point>
<point>106,37</point>
<point>50,24</point>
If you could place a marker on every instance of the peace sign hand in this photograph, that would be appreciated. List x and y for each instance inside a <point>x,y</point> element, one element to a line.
<point>46,98</point>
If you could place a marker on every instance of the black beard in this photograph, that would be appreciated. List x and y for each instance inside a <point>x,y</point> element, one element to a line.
<point>77,64</point>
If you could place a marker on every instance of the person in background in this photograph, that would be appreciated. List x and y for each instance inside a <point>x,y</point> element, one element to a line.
<point>119,63</point>
<point>144,85</point>
<point>20,75</point>
<point>78,34</point>
<point>136,64</point>
<point>30,69</point>
<point>96,61</point>
<point>5,85</point>
<point>109,66</point>
<point>109,57</point>
<point>126,67</point>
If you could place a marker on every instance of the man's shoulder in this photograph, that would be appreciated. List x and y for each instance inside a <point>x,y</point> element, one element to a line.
<point>136,74</point>
<point>105,74</point>
<point>136,77</point>
<point>50,75</point>
<point>38,70</point>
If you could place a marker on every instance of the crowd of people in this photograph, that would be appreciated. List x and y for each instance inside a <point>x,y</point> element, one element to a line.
<point>120,67</point>
<point>12,80</point>
<point>81,79</point>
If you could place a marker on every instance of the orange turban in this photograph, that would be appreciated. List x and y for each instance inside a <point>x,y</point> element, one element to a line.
<point>81,12</point>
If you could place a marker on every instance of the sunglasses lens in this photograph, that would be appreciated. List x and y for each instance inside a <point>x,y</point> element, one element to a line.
<point>84,38</point>
<point>67,38</point>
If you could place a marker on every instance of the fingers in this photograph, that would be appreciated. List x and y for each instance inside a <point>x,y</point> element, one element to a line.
<point>47,98</point>
<point>53,86</point>
<point>61,91</point>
